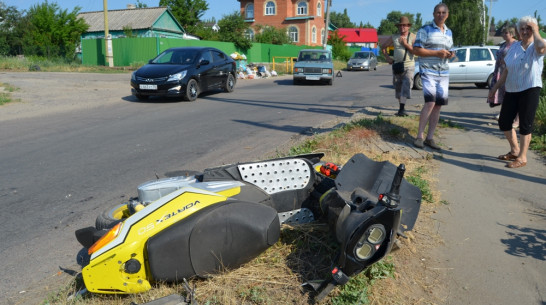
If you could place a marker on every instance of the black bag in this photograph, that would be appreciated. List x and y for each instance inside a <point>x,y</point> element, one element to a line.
<point>398,67</point>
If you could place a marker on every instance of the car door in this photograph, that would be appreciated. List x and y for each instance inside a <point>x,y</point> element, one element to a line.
<point>457,66</point>
<point>481,64</point>
<point>221,68</point>
<point>205,68</point>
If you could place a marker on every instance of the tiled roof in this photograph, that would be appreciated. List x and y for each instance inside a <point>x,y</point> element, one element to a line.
<point>136,18</point>
<point>358,35</point>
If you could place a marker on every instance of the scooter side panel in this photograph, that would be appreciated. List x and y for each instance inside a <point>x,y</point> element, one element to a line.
<point>225,235</point>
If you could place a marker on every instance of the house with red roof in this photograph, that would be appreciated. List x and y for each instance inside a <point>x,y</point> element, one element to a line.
<point>362,37</point>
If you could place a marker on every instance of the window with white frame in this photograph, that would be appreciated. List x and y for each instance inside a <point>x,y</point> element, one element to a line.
<point>270,8</point>
<point>302,8</point>
<point>293,33</point>
<point>319,9</point>
<point>322,36</point>
<point>249,34</point>
<point>314,35</point>
<point>249,11</point>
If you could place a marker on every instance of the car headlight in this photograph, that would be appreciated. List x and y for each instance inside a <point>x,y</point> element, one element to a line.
<point>298,70</point>
<point>326,71</point>
<point>133,76</point>
<point>177,76</point>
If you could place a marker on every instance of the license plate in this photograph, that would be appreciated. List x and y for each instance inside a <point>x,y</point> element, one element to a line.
<point>148,87</point>
<point>312,77</point>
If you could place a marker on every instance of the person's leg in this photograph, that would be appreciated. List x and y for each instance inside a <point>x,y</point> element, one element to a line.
<point>527,104</point>
<point>429,92</point>
<point>442,90</point>
<point>512,138</point>
<point>433,121</point>
<point>524,141</point>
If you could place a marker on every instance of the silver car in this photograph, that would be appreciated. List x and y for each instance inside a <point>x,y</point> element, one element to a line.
<point>471,64</point>
<point>362,60</point>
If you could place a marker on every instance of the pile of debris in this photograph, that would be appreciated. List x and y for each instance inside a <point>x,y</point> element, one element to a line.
<point>249,70</point>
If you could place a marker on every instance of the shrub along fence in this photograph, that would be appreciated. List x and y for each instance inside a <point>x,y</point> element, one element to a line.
<point>139,50</point>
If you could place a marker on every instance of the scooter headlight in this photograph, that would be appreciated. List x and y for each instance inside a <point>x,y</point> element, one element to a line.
<point>370,242</point>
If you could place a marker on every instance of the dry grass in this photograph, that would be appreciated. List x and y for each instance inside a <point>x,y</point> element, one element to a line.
<point>306,252</point>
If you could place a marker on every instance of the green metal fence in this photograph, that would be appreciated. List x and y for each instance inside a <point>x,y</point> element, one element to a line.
<point>139,50</point>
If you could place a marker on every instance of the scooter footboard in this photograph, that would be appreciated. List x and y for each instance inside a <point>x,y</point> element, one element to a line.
<point>224,236</point>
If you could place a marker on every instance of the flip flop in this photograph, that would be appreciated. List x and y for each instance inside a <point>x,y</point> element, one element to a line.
<point>516,164</point>
<point>508,157</point>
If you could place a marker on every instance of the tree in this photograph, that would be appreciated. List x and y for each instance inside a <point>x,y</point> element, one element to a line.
<point>418,23</point>
<point>233,28</point>
<point>339,49</point>
<point>272,35</point>
<point>388,26</point>
<point>11,30</point>
<point>366,26</point>
<point>466,21</point>
<point>187,12</point>
<point>52,32</point>
<point>140,4</point>
<point>341,20</point>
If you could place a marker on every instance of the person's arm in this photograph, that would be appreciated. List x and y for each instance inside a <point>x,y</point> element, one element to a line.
<point>422,52</point>
<point>540,45</point>
<point>387,43</point>
<point>404,41</point>
<point>500,82</point>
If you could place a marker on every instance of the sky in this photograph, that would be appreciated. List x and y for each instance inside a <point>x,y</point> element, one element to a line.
<point>372,11</point>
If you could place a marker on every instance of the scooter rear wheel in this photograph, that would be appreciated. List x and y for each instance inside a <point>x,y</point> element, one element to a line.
<point>109,218</point>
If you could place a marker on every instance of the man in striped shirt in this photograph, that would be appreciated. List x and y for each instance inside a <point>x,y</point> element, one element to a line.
<point>433,45</point>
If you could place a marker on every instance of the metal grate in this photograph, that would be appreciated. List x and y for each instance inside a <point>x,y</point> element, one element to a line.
<point>312,70</point>
<point>299,216</point>
<point>277,175</point>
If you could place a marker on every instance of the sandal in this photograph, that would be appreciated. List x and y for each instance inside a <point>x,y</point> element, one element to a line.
<point>516,164</point>
<point>508,157</point>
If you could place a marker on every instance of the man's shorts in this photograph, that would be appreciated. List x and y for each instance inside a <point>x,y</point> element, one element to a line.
<point>403,83</point>
<point>435,88</point>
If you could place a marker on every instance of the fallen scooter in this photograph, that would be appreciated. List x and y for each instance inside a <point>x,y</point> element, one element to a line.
<point>223,217</point>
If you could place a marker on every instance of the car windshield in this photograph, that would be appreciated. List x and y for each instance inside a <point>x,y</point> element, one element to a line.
<point>180,57</point>
<point>314,56</point>
<point>364,55</point>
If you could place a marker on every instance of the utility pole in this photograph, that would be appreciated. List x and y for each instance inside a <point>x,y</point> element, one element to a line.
<point>325,38</point>
<point>107,37</point>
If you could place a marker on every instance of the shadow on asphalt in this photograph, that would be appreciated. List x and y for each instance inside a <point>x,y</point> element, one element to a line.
<point>525,242</point>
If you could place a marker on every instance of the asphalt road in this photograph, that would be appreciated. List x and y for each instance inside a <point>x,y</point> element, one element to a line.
<point>79,143</point>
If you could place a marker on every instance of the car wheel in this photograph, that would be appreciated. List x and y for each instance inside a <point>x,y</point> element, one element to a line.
<point>295,82</point>
<point>417,84</point>
<point>141,97</point>
<point>192,90</point>
<point>230,83</point>
<point>490,81</point>
<point>331,81</point>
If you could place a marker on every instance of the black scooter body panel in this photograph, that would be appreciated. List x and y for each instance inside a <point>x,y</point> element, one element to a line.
<point>226,235</point>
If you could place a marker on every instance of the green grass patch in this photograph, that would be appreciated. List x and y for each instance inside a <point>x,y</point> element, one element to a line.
<point>35,64</point>
<point>416,178</point>
<point>5,93</point>
<point>449,124</point>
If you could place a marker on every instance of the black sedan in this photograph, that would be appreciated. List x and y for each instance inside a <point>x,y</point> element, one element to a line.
<point>184,72</point>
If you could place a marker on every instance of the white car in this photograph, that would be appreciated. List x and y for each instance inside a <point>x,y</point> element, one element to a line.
<point>471,64</point>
